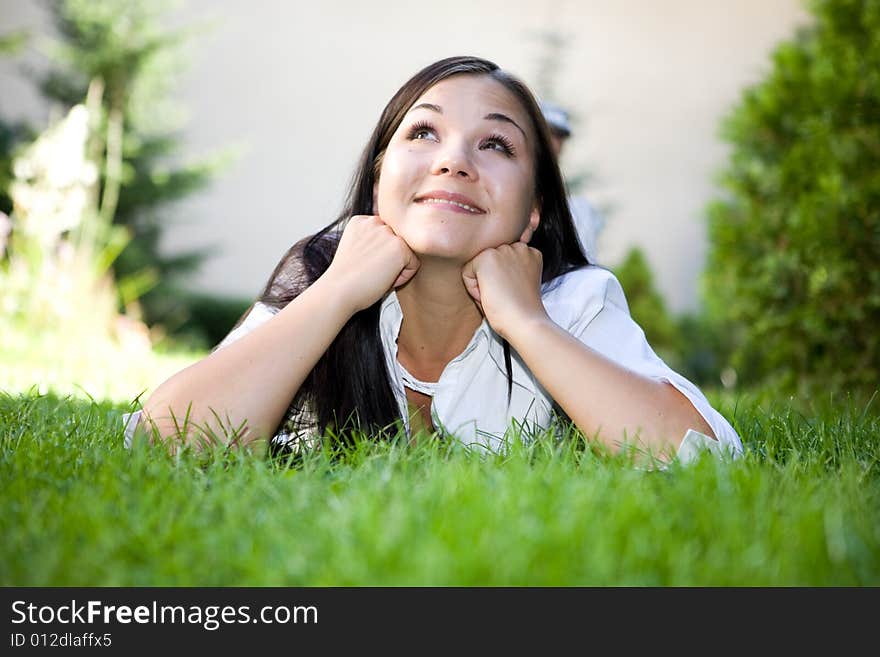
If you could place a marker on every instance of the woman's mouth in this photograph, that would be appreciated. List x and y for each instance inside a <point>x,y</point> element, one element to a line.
<point>450,201</point>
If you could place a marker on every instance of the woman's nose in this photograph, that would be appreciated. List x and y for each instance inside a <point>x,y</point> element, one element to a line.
<point>453,160</point>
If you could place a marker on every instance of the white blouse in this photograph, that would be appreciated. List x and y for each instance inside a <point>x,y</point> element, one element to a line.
<point>470,399</point>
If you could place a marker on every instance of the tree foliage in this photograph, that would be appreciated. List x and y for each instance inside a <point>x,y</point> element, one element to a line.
<point>12,133</point>
<point>127,48</point>
<point>795,239</point>
<point>647,307</point>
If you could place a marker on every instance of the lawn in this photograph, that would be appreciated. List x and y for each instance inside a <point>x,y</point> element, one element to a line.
<point>801,508</point>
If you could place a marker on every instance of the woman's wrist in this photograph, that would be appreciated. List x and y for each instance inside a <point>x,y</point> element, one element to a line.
<point>527,327</point>
<point>337,294</point>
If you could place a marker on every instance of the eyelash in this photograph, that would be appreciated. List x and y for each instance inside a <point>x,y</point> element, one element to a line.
<point>508,148</point>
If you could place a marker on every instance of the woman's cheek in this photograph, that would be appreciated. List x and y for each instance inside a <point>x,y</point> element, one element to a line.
<point>394,189</point>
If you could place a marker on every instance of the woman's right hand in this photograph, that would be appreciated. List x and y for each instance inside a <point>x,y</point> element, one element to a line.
<point>370,260</point>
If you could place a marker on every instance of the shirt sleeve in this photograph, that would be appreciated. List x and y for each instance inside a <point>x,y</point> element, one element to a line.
<point>596,312</point>
<point>259,314</point>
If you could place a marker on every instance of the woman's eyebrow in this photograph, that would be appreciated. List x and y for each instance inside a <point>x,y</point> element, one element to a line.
<point>493,116</point>
<point>433,108</point>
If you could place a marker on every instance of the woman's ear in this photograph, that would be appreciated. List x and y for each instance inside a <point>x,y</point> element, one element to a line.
<point>534,220</point>
<point>376,198</point>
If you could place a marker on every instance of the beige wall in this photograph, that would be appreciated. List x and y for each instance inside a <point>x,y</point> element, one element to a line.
<point>299,86</point>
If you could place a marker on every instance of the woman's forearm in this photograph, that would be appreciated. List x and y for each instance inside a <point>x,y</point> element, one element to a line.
<point>246,387</point>
<point>604,399</point>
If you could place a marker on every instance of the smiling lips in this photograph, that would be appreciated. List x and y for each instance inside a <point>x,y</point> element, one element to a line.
<point>448,200</point>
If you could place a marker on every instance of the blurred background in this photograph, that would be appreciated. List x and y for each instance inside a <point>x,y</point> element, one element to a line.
<point>214,134</point>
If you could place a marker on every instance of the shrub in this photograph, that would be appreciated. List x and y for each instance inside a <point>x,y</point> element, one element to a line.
<point>795,241</point>
<point>58,301</point>
<point>206,319</point>
<point>134,54</point>
<point>705,350</point>
<point>647,306</point>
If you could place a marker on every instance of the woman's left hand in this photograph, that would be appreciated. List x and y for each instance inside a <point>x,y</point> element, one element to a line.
<point>505,281</point>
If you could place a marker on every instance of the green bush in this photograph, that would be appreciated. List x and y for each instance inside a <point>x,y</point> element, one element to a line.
<point>795,241</point>
<point>202,320</point>
<point>647,306</point>
<point>130,55</point>
<point>705,351</point>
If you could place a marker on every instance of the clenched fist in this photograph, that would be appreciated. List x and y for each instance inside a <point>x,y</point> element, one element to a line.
<point>369,261</point>
<point>506,282</point>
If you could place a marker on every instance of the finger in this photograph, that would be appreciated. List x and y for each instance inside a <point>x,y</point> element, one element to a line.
<point>473,289</point>
<point>381,222</point>
<point>536,256</point>
<point>403,278</point>
<point>468,270</point>
<point>409,270</point>
<point>471,283</point>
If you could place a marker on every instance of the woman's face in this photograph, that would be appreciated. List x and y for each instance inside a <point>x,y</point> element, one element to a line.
<point>458,174</point>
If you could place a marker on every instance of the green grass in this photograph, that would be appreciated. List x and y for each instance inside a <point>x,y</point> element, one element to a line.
<point>801,508</point>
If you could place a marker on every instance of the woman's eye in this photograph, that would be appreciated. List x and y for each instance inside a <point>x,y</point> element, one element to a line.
<point>421,131</point>
<point>500,144</point>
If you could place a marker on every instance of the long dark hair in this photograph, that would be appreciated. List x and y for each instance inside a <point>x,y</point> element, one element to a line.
<point>349,387</point>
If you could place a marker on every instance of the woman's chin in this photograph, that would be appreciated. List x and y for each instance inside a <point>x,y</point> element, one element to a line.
<point>426,248</point>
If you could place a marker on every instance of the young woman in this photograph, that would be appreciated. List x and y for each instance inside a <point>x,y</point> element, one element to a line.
<point>451,294</point>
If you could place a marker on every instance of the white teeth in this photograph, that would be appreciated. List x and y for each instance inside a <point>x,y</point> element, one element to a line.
<point>461,205</point>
